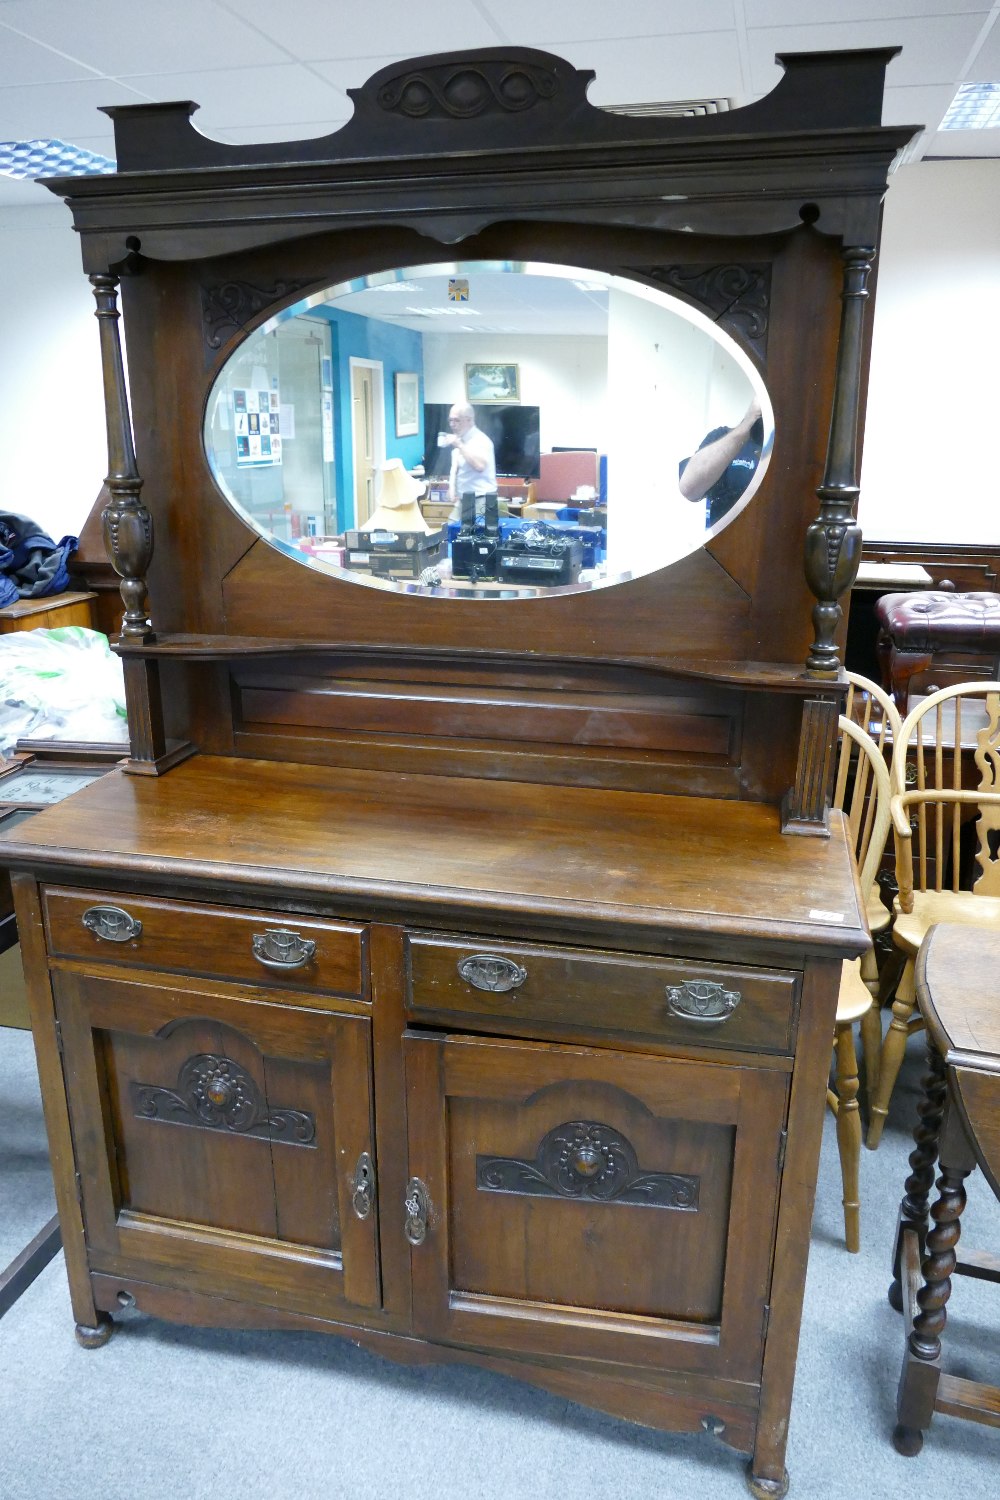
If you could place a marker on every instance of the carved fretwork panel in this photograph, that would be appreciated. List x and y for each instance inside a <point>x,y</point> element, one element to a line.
<point>229,306</point>
<point>736,296</point>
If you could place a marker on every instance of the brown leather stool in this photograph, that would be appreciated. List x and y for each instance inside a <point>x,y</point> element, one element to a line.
<point>913,628</point>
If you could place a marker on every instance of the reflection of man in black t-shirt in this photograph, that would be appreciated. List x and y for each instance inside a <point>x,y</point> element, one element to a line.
<point>724,464</point>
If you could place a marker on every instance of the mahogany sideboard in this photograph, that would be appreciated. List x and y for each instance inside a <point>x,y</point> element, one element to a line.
<point>459,973</point>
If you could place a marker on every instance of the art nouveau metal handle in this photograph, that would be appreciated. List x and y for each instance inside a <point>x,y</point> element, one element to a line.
<point>112,923</point>
<point>417,1204</point>
<point>489,971</point>
<point>280,949</point>
<point>363,1186</point>
<point>702,1000</point>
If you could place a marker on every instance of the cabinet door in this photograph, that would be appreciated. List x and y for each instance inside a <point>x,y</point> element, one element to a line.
<point>591,1203</point>
<point>217,1139</point>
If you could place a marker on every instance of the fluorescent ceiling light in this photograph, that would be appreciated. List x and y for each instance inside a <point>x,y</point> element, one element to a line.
<point>29,159</point>
<point>465,311</point>
<point>976,106</point>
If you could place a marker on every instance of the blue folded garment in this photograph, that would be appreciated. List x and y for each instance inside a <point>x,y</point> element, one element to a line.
<point>31,563</point>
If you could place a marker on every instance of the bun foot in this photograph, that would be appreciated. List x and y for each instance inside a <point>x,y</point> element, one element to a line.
<point>767,1489</point>
<point>896,1296</point>
<point>907,1440</point>
<point>96,1337</point>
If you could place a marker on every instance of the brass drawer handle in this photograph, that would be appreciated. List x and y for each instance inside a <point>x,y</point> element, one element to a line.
<point>280,949</point>
<point>417,1204</point>
<point>488,971</point>
<point>702,1000</point>
<point>363,1186</point>
<point>112,923</point>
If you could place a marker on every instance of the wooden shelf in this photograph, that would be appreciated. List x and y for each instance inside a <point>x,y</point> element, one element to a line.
<point>772,676</point>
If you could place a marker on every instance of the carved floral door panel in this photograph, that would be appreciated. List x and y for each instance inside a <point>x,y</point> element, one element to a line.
<point>223,1143</point>
<point>571,1201</point>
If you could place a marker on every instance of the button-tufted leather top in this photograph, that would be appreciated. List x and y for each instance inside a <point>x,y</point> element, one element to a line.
<point>927,620</point>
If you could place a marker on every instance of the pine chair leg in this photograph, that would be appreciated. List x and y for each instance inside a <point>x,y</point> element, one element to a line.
<point>849,1133</point>
<point>893,1050</point>
<point>871,1048</point>
<point>869,972</point>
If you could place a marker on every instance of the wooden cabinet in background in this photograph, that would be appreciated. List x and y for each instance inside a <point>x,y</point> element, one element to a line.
<point>49,613</point>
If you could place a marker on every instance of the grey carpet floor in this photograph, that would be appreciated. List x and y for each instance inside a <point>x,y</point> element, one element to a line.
<point>194,1415</point>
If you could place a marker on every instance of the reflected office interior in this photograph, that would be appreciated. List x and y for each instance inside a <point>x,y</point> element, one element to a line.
<point>328,429</point>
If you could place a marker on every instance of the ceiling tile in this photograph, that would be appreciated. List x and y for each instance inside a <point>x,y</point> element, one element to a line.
<point>934,48</point>
<point>919,105</point>
<point>790,12</point>
<point>293,130</point>
<point>315,30</point>
<point>62,110</point>
<point>530,24</point>
<point>671,67</point>
<point>30,63</point>
<point>351,72</point>
<point>984,143</point>
<point>986,66</point>
<point>118,37</point>
<point>249,96</point>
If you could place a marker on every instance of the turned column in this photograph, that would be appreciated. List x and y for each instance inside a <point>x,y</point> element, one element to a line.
<point>833,541</point>
<point>128,537</point>
<point>128,526</point>
<point>914,1209</point>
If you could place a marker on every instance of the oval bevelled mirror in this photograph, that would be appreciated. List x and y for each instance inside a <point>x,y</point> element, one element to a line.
<point>488,429</point>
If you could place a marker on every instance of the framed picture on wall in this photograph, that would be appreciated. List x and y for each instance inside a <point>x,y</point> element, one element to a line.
<point>492,383</point>
<point>407,389</point>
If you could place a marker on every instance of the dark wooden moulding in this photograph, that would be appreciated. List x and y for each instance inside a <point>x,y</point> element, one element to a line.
<point>595,789</point>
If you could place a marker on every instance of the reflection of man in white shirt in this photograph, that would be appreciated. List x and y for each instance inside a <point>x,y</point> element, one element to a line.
<point>473,461</point>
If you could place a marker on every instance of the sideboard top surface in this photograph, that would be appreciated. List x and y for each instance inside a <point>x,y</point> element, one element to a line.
<point>436,848</point>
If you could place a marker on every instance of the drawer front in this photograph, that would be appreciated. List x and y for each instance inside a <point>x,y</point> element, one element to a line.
<point>685,1001</point>
<point>300,953</point>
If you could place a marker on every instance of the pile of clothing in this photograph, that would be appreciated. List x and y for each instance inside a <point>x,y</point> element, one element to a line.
<point>31,563</point>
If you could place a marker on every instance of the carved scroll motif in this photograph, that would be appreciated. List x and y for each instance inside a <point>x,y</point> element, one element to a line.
<point>227,308</point>
<point>584,1159</point>
<point>738,297</point>
<point>833,541</point>
<point>215,1093</point>
<point>461,90</point>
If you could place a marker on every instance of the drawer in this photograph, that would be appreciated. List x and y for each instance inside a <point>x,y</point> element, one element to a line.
<point>256,947</point>
<point>676,1000</point>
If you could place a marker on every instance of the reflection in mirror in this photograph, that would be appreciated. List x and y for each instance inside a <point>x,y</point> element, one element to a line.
<point>488,430</point>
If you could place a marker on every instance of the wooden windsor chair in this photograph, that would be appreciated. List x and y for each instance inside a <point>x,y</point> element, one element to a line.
<point>947,839</point>
<point>862,792</point>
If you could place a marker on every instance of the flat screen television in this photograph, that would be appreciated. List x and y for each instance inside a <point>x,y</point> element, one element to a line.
<point>514,431</point>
